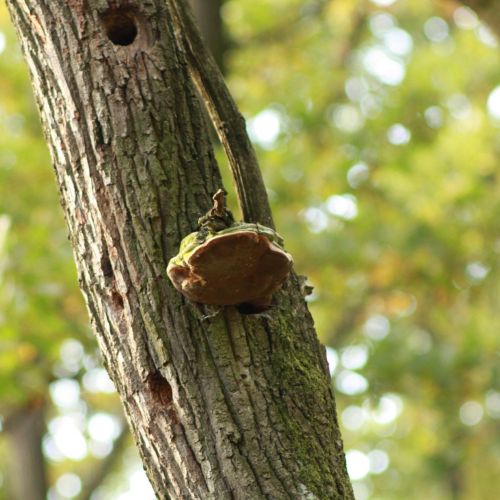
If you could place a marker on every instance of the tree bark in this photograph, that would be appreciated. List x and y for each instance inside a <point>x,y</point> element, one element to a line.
<point>26,465</point>
<point>221,405</point>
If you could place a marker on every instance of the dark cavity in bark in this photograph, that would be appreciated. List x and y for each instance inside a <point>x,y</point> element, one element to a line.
<point>120,25</point>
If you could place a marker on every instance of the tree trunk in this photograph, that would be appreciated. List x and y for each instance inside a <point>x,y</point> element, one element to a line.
<point>26,465</point>
<point>221,405</point>
<point>208,16</point>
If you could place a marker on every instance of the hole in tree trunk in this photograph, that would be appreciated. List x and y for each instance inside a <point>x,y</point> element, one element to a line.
<point>160,388</point>
<point>117,300</point>
<point>120,25</point>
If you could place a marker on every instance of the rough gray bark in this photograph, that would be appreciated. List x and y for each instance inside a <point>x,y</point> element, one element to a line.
<point>24,431</point>
<point>221,405</point>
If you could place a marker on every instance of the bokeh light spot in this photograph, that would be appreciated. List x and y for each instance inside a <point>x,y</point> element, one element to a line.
<point>486,36</point>
<point>69,485</point>
<point>398,135</point>
<point>388,409</point>
<point>459,106</point>
<point>333,359</point>
<point>465,18</point>
<point>379,461</point>
<point>65,393</point>
<point>383,3</point>
<point>354,417</point>
<point>356,88</point>
<point>377,327</point>
<point>493,403</point>
<point>384,67</point>
<point>354,357</point>
<point>436,29</point>
<point>97,380</point>
<point>358,174</point>
<point>398,41</point>
<point>316,219</point>
<point>351,383</point>
<point>358,465</point>
<point>265,128</point>
<point>343,206</point>
<point>471,413</point>
<point>476,271</point>
<point>103,427</point>
<point>493,103</point>
<point>381,23</point>
<point>68,438</point>
<point>347,118</point>
<point>434,116</point>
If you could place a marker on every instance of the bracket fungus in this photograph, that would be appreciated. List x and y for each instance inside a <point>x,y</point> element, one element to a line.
<point>229,263</point>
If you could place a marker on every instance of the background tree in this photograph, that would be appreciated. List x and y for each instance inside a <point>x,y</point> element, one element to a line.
<point>208,16</point>
<point>222,405</point>
<point>403,263</point>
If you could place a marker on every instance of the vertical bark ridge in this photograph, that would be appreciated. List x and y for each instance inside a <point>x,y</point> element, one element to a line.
<point>221,406</point>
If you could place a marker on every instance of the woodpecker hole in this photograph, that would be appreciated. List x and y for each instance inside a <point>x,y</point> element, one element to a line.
<point>121,26</point>
<point>160,389</point>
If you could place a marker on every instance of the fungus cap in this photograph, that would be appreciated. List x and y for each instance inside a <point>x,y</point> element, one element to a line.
<point>243,264</point>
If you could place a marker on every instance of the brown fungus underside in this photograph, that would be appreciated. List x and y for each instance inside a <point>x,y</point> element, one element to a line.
<point>227,263</point>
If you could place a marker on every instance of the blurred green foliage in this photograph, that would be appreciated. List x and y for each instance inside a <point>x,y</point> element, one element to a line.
<point>379,139</point>
<point>39,302</point>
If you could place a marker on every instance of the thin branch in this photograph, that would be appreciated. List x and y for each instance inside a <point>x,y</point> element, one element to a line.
<point>208,17</point>
<point>228,121</point>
